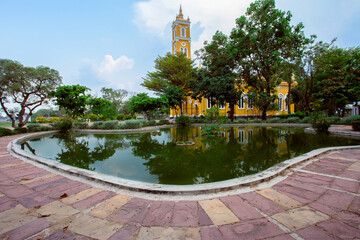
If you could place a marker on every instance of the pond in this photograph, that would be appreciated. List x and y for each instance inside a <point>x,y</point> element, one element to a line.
<point>162,157</point>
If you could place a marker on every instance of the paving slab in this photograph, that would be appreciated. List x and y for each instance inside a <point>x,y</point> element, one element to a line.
<point>168,233</point>
<point>218,212</point>
<point>299,218</point>
<point>14,218</point>
<point>94,227</point>
<point>110,206</point>
<point>56,211</point>
<point>340,229</point>
<point>81,195</point>
<point>252,229</point>
<point>281,199</point>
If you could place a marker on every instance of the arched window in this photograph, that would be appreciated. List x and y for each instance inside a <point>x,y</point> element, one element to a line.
<point>183,32</point>
<point>281,100</point>
<point>184,50</point>
<point>286,103</point>
<point>241,104</point>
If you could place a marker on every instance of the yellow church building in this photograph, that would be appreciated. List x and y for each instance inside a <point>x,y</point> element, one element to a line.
<point>181,42</point>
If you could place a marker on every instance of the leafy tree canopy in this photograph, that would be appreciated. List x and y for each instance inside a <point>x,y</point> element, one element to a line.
<point>261,42</point>
<point>172,70</point>
<point>216,80</point>
<point>100,106</point>
<point>143,103</point>
<point>26,88</point>
<point>72,99</point>
<point>115,96</point>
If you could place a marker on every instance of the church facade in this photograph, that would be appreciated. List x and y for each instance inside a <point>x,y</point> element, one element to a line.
<point>181,42</point>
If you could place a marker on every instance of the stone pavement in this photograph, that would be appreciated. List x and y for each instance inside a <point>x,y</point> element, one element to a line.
<point>319,201</point>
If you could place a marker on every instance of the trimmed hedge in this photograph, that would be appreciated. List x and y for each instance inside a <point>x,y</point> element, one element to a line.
<point>274,120</point>
<point>110,124</point>
<point>80,125</point>
<point>5,132</point>
<point>134,123</point>
<point>351,119</point>
<point>163,122</point>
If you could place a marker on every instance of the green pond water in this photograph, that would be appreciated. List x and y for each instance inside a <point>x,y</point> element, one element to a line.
<point>156,158</point>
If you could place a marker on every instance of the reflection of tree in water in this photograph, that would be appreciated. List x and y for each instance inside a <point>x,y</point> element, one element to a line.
<point>261,152</point>
<point>77,152</point>
<point>183,165</point>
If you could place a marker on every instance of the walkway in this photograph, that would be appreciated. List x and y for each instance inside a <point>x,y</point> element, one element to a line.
<point>318,201</point>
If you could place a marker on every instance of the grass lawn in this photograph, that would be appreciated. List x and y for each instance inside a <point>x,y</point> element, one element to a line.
<point>5,124</point>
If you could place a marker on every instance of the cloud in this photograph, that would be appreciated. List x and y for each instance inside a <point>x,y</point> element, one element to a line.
<point>108,73</point>
<point>111,66</point>
<point>209,15</point>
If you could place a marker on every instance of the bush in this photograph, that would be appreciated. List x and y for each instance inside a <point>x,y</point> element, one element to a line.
<point>97,125</point>
<point>33,127</point>
<point>110,124</point>
<point>163,122</point>
<point>120,117</point>
<point>300,115</point>
<point>20,130</point>
<point>293,120</point>
<point>183,120</point>
<point>241,120</point>
<point>320,123</point>
<point>356,125</point>
<point>274,120</point>
<point>257,120</point>
<point>64,124</point>
<point>134,123</point>
<point>333,120</point>
<point>5,132</point>
<point>121,126</point>
<point>305,120</point>
<point>351,119</point>
<point>45,128</point>
<point>127,117</point>
<point>80,125</point>
<point>151,123</point>
<point>283,115</point>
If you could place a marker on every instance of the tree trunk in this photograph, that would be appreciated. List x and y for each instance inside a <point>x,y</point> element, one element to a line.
<point>263,114</point>
<point>231,112</point>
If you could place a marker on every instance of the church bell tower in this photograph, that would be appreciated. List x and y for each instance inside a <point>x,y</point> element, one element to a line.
<point>181,41</point>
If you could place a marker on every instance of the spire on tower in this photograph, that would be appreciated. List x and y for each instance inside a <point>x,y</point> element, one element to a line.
<point>180,16</point>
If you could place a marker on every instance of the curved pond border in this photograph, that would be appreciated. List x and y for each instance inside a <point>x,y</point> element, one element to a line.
<point>137,186</point>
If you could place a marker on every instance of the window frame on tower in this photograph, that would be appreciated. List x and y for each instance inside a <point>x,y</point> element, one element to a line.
<point>183,32</point>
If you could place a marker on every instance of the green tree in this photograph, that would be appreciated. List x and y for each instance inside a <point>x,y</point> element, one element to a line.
<point>261,42</point>
<point>175,96</point>
<point>115,96</point>
<point>143,103</point>
<point>333,94</point>
<point>308,67</point>
<point>170,70</point>
<point>100,106</point>
<point>352,75</point>
<point>216,80</point>
<point>337,81</point>
<point>26,88</point>
<point>72,99</point>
